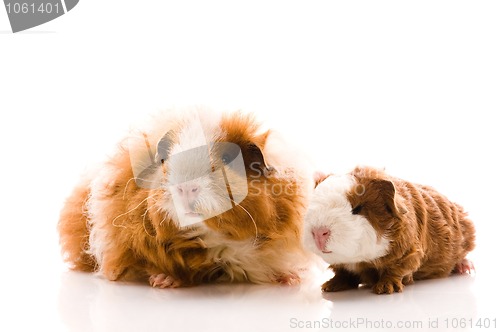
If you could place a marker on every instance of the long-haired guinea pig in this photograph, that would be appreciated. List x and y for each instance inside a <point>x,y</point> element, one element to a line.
<point>208,198</point>
<point>384,232</point>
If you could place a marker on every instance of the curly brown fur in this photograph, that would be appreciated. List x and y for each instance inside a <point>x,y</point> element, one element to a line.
<point>428,235</point>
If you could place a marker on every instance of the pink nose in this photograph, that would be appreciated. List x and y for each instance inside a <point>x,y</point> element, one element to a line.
<point>321,235</point>
<point>189,194</point>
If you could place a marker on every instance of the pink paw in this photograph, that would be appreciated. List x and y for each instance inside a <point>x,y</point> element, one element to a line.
<point>289,279</point>
<point>465,266</point>
<point>161,280</point>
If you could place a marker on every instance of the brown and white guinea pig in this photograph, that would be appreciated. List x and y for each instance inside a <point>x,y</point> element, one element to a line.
<point>216,200</point>
<point>385,232</point>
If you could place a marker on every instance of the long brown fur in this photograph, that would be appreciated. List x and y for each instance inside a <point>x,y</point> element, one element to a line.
<point>429,235</point>
<point>143,241</point>
<point>74,231</point>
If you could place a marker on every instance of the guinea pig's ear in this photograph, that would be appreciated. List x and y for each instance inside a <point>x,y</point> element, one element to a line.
<point>387,191</point>
<point>256,159</point>
<point>163,148</point>
<point>319,177</point>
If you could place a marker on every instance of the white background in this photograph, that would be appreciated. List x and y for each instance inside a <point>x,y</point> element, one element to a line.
<point>410,86</point>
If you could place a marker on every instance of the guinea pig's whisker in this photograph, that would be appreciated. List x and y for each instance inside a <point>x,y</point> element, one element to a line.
<point>253,220</point>
<point>125,213</point>
<point>126,186</point>
<point>144,219</point>
<point>164,218</point>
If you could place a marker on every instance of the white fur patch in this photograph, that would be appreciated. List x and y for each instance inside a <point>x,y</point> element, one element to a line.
<point>246,261</point>
<point>352,238</point>
<point>192,168</point>
<point>98,219</point>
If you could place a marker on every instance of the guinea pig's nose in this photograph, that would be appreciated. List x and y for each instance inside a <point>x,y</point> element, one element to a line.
<point>321,235</point>
<point>189,191</point>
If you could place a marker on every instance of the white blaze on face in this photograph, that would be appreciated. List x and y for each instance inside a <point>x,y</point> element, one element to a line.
<point>189,169</point>
<point>348,238</point>
<point>198,185</point>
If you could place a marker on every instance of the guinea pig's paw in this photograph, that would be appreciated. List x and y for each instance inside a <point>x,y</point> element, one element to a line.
<point>388,286</point>
<point>465,266</point>
<point>337,284</point>
<point>342,280</point>
<point>290,279</point>
<point>162,280</point>
<point>408,280</point>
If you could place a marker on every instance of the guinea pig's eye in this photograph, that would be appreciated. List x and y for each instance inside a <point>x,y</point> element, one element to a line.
<point>357,209</point>
<point>230,154</point>
<point>225,159</point>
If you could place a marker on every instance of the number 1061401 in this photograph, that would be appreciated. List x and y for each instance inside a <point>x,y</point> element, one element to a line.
<point>32,8</point>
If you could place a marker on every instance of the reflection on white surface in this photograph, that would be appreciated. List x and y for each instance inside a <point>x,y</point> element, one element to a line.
<point>89,303</point>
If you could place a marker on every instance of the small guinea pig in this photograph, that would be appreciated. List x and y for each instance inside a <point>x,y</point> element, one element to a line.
<point>384,232</point>
<point>213,200</point>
